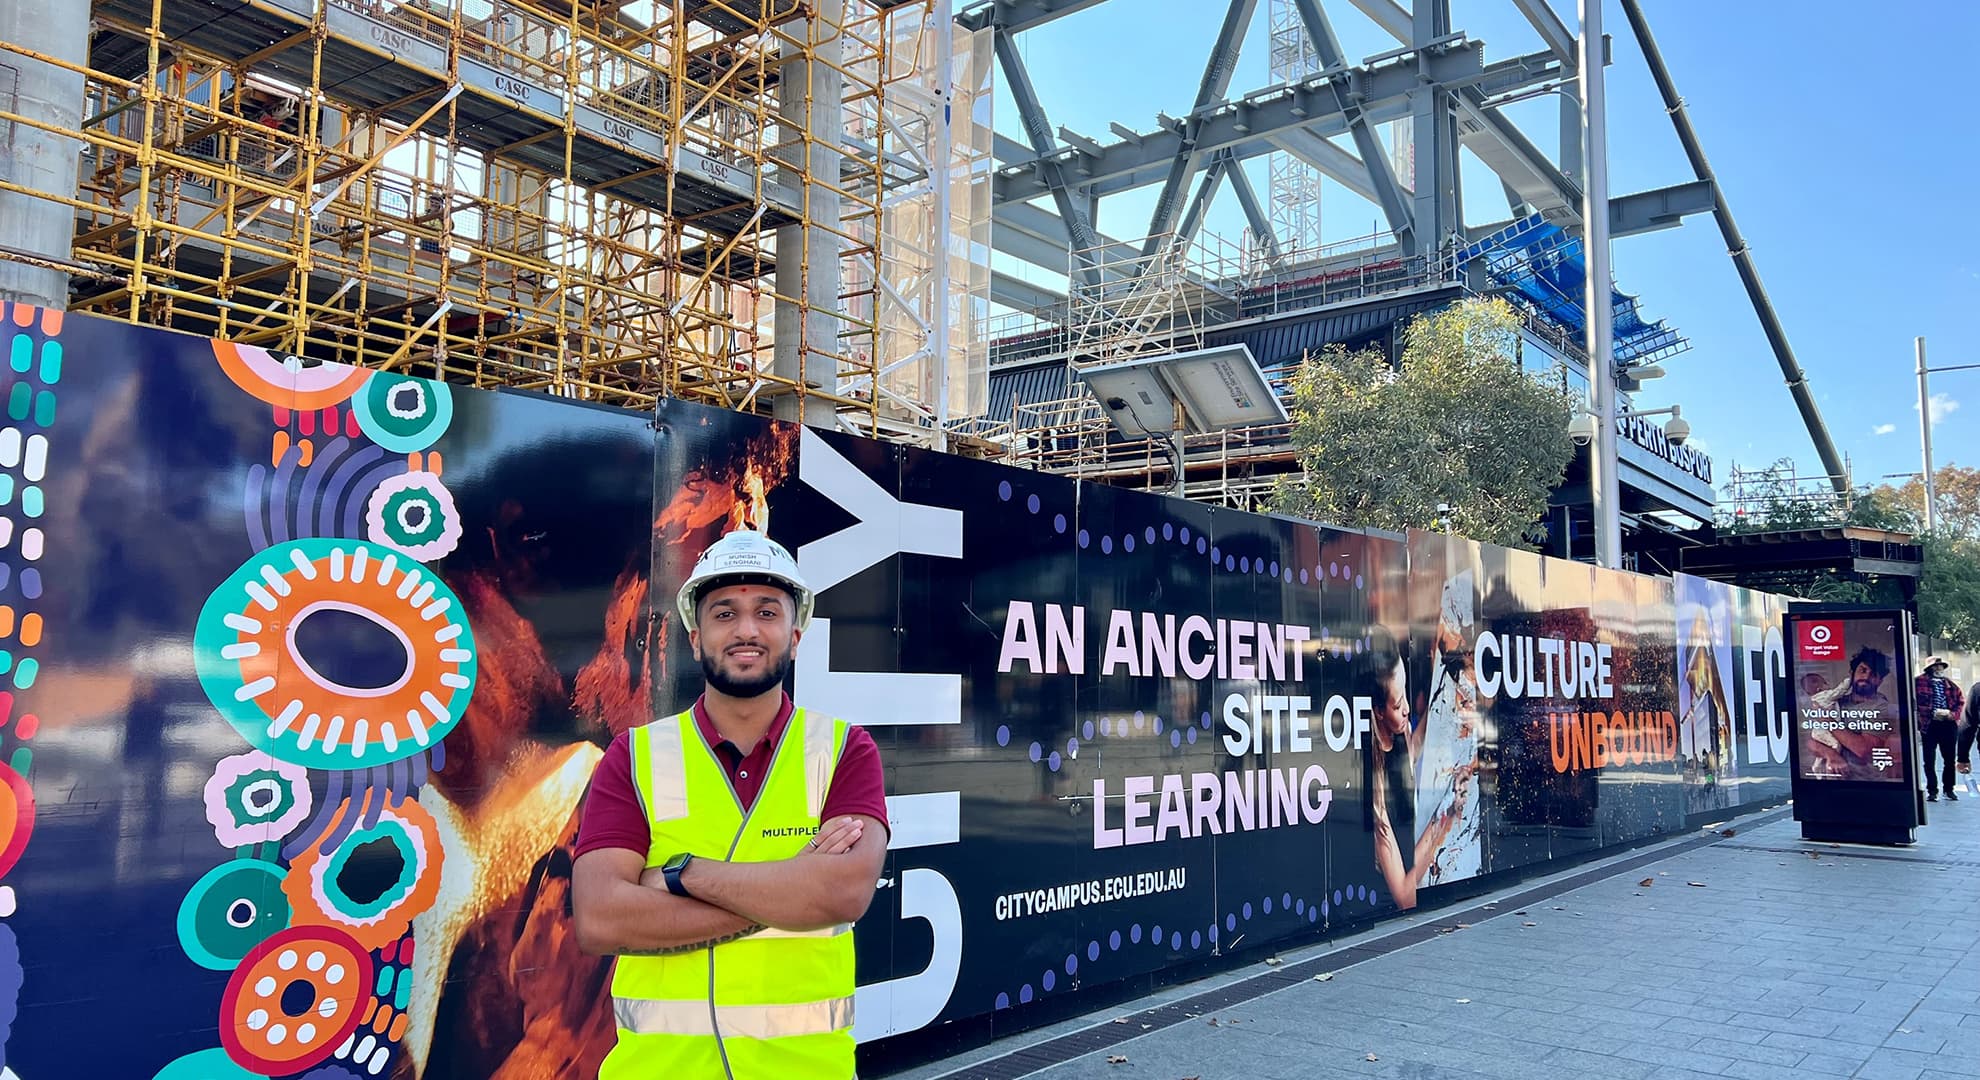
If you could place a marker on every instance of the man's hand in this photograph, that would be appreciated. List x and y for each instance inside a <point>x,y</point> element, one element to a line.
<point>810,891</point>
<point>835,837</point>
<point>618,911</point>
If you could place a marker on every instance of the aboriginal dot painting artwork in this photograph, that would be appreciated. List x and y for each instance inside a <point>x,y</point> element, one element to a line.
<point>305,668</point>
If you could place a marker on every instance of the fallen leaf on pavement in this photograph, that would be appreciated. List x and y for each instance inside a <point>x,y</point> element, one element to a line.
<point>1663,873</point>
<point>1647,882</point>
<point>1120,1019</point>
<point>1325,976</point>
<point>1529,924</point>
<point>1696,884</point>
<point>1464,926</point>
<point>1464,1001</point>
<point>1274,961</point>
<point>1372,1057</point>
<point>1212,1021</point>
<point>1519,913</point>
<point>1728,832</point>
<point>1117,1059</point>
<point>1234,1021</point>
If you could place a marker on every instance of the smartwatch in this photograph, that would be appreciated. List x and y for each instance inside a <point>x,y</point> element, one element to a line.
<point>671,870</point>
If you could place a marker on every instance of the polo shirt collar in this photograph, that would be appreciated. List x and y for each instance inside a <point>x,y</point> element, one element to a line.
<point>770,738</point>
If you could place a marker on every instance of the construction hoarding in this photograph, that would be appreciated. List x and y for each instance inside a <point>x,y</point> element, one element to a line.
<point>307,659</point>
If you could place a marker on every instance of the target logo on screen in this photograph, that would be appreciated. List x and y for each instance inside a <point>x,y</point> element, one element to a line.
<point>1822,640</point>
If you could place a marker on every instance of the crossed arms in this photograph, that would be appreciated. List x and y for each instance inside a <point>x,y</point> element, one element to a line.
<point>621,908</point>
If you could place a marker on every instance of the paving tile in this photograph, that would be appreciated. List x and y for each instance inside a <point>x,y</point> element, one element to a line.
<point>1763,975</point>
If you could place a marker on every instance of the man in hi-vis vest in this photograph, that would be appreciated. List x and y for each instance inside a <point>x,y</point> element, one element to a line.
<point>725,853</point>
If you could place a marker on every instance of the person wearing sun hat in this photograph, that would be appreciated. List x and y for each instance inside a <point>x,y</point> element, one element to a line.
<point>1938,703</point>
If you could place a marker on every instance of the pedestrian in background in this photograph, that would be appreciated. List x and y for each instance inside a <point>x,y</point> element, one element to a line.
<point>1969,725</point>
<point>1939,704</point>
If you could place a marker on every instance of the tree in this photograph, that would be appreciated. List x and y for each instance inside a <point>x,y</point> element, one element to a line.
<point>1948,596</point>
<point>1959,500</point>
<point>1459,425</point>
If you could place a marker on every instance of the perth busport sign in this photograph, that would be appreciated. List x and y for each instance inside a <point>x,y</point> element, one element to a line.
<point>1650,436</point>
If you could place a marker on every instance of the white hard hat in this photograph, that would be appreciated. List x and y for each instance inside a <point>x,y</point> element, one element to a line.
<point>744,557</point>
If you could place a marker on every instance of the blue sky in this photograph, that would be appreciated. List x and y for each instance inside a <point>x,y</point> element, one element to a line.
<point>1834,131</point>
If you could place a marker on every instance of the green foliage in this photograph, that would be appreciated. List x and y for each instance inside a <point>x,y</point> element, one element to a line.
<point>1949,581</point>
<point>1949,590</point>
<point>1460,425</point>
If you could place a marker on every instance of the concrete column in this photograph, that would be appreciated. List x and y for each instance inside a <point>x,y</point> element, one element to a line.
<point>811,99</point>
<point>37,159</point>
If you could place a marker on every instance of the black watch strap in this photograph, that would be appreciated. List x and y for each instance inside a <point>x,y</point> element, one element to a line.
<point>671,873</point>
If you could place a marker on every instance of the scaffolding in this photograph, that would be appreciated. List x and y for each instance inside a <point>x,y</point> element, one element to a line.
<point>1158,294</point>
<point>606,201</point>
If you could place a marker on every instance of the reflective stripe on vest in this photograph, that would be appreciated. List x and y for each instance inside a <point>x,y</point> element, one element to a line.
<point>747,1021</point>
<point>773,1004</point>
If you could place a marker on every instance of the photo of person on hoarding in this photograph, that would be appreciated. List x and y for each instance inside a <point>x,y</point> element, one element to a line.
<point>1849,729</point>
<point>1391,758</point>
<point>1447,767</point>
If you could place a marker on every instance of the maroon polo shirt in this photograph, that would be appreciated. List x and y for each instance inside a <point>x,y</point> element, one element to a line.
<point>613,817</point>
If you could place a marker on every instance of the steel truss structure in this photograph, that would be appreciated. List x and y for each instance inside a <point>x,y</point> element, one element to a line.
<point>1324,114</point>
<point>610,201</point>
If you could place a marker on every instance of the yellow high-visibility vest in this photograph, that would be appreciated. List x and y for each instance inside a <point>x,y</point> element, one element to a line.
<point>775,1005</point>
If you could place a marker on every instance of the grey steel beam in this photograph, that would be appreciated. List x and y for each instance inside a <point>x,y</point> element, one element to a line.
<point>1742,257</point>
<point>1337,163</point>
<point>1200,205</point>
<point>1037,236</point>
<point>1660,208</point>
<point>1374,156</point>
<point>1437,209</point>
<point>1015,292</point>
<point>1246,125</point>
<point>1534,174</point>
<point>1216,82</point>
<point>1254,211</point>
<point>1079,227</point>
<point>1510,154</point>
<point>1388,15</point>
<point>1017,16</point>
<point>1560,39</point>
<point>1552,30</point>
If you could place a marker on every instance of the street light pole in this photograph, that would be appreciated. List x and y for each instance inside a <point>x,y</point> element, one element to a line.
<point>1925,440</point>
<point>1600,308</point>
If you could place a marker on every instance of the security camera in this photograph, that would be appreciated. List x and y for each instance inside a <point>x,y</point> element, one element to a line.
<point>1581,429</point>
<point>1678,429</point>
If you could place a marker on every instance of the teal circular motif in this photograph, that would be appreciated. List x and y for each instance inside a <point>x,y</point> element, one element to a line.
<point>235,907</point>
<point>414,513</point>
<point>336,654</point>
<point>211,1064</point>
<point>371,872</point>
<point>403,413</point>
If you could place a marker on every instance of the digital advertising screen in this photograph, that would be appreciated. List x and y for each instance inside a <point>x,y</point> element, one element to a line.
<point>1847,686</point>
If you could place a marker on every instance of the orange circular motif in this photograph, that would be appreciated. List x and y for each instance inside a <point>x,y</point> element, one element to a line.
<point>285,381</point>
<point>375,880</point>
<point>263,666</point>
<point>294,998</point>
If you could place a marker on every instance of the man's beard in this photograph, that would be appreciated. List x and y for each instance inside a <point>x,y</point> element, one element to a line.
<point>771,679</point>
<point>1864,689</point>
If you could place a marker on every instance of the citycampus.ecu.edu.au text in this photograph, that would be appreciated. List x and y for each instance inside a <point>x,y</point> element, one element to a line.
<point>1017,905</point>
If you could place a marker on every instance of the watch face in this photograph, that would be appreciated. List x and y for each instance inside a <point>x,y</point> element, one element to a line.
<point>677,863</point>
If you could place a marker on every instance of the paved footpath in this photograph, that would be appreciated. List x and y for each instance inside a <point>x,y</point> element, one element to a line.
<point>1788,959</point>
